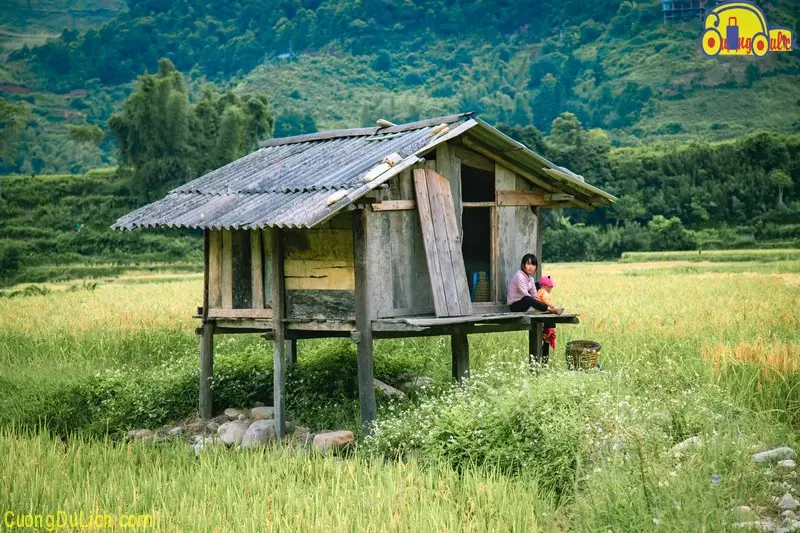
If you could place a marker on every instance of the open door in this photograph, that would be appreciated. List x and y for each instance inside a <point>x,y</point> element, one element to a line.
<point>437,217</point>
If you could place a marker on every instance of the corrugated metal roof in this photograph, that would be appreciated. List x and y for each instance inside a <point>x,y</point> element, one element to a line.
<point>288,182</point>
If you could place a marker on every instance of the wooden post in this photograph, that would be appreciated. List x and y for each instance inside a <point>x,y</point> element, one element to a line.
<point>278,345</point>
<point>291,348</point>
<point>535,352</point>
<point>459,345</point>
<point>206,370</point>
<point>363,334</point>
<point>206,251</point>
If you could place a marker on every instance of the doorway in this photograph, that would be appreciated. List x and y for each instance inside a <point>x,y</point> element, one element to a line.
<point>478,198</point>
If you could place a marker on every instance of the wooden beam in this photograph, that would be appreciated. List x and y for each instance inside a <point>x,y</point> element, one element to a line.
<point>278,346</point>
<point>473,159</point>
<point>519,198</point>
<point>206,370</point>
<point>459,345</point>
<point>226,279</point>
<point>480,148</point>
<point>203,311</point>
<point>363,334</point>
<point>257,275</point>
<point>407,311</point>
<point>214,269</point>
<point>394,205</point>
<point>479,204</point>
<point>240,313</point>
<point>535,342</point>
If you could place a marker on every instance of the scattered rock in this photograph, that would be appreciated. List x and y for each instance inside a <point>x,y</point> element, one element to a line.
<point>410,383</point>
<point>333,440</point>
<point>140,434</point>
<point>231,412</point>
<point>196,438</point>
<point>194,426</point>
<point>212,426</point>
<point>259,433</point>
<point>177,431</point>
<point>788,503</point>
<point>388,390</point>
<point>787,463</point>
<point>302,436</point>
<point>207,443</point>
<point>761,525</point>
<point>682,446</point>
<point>232,433</point>
<point>777,454</point>
<point>789,515</point>
<point>744,514</point>
<point>262,412</point>
<point>241,417</point>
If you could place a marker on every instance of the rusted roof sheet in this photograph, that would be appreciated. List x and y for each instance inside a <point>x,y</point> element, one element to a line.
<point>289,182</point>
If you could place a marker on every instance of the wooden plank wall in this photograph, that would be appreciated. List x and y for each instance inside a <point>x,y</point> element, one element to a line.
<point>318,270</point>
<point>517,230</point>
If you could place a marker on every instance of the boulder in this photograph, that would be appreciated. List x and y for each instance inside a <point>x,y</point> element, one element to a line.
<point>232,412</point>
<point>684,445</point>
<point>206,444</point>
<point>262,412</point>
<point>787,463</point>
<point>260,433</point>
<point>177,431</point>
<point>388,390</point>
<point>777,454</point>
<point>788,503</point>
<point>212,426</point>
<point>333,440</point>
<point>232,433</point>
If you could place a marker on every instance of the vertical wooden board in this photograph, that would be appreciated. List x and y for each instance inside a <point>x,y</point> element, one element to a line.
<point>364,315</point>
<point>439,213</point>
<point>241,270</point>
<point>494,294</point>
<point>429,239</point>
<point>451,244</point>
<point>214,269</point>
<point>256,261</point>
<point>266,263</point>
<point>226,280</point>
<point>507,254</point>
<point>378,267</point>
<point>449,166</point>
<point>278,347</point>
<point>539,240</point>
<point>206,371</point>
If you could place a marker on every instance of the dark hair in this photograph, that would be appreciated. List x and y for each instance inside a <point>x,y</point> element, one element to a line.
<point>528,258</point>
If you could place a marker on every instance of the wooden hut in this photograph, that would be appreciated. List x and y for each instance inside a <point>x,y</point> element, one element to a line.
<point>368,233</point>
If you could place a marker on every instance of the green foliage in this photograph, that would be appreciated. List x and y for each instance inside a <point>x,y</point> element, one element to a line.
<point>13,119</point>
<point>85,134</point>
<point>168,141</point>
<point>669,234</point>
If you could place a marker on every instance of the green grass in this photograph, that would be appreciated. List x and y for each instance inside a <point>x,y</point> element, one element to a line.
<point>787,254</point>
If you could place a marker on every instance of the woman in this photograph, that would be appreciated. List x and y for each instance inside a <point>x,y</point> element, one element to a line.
<point>522,289</point>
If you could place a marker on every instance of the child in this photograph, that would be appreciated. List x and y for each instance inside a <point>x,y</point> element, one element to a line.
<point>547,285</point>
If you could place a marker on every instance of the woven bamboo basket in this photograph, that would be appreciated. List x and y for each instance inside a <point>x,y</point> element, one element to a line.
<point>582,355</point>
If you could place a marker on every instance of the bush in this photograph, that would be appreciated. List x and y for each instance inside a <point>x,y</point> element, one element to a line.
<point>669,234</point>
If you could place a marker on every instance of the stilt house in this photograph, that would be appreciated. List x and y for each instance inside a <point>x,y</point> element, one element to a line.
<point>368,233</point>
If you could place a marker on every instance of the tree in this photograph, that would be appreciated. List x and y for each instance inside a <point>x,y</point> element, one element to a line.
<point>168,141</point>
<point>90,134</point>
<point>13,119</point>
<point>780,179</point>
<point>669,234</point>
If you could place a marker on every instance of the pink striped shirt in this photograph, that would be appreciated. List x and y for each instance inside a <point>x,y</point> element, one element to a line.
<point>520,286</point>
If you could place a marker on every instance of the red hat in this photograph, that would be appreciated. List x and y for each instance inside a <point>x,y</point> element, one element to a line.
<point>547,281</point>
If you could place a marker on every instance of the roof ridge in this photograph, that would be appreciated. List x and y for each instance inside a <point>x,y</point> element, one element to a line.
<point>362,132</point>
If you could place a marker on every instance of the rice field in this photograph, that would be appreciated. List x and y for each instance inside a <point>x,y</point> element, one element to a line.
<point>720,342</point>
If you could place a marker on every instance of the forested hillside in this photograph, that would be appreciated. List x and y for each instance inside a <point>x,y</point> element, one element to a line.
<point>612,63</point>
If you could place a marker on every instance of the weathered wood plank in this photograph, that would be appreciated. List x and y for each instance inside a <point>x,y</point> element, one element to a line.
<point>507,254</point>
<point>429,240</point>
<point>494,294</point>
<point>394,205</point>
<point>449,166</point>
<point>226,280</point>
<point>366,390</point>
<point>520,198</point>
<point>333,244</point>
<point>320,304</point>
<point>406,311</point>
<point>241,270</point>
<point>459,347</point>
<point>240,313</point>
<point>473,159</point>
<point>319,275</point>
<point>256,261</point>
<point>206,371</point>
<point>203,311</point>
<point>478,204</point>
<point>266,265</point>
<point>453,242</point>
<point>291,350</point>
<point>214,269</point>
<point>278,347</point>
<point>439,214</point>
